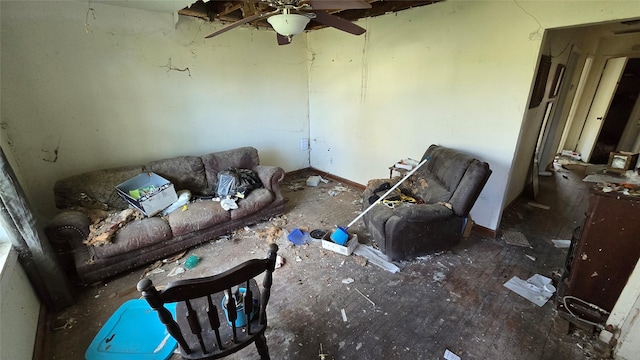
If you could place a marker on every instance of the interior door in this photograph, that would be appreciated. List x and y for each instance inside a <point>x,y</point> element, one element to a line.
<point>600,105</point>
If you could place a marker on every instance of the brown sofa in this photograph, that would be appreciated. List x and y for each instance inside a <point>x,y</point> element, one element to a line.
<point>145,240</point>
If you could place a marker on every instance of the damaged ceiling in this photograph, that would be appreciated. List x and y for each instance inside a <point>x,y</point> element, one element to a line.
<point>231,11</point>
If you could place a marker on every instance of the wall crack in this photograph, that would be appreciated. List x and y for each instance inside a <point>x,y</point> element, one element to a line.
<point>173,68</point>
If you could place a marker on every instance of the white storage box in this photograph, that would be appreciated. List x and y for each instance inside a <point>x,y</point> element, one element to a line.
<point>162,193</point>
<point>340,249</point>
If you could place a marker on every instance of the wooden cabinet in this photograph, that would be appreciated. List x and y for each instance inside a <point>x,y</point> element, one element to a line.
<point>602,255</point>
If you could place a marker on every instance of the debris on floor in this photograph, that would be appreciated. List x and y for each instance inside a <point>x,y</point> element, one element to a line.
<point>155,268</point>
<point>337,190</point>
<point>271,234</point>
<point>561,244</point>
<point>175,257</point>
<point>375,257</point>
<point>539,206</point>
<point>537,289</point>
<point>152,269</point>
<point>515,238</point>
<point>322,354</point>
<point>313,180</point>
<point>191,262</point>
<point>176,271</point>
<point>295,187</point>
<point>61,324</point>
<point>279,261</point>
<point>449,355</point>
<point>361,261</point>
<point>299,237</point>
<point>366,297</point>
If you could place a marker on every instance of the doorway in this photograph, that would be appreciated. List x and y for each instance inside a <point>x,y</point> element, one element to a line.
<point>615,122</point>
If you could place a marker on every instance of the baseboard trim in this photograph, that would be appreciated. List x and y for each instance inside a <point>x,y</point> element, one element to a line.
<point>338,178</point>
<point>325,174</point>
<point>40,346</point>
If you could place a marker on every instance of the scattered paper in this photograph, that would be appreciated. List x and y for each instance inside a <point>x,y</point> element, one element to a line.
<point>450,356</point>
<point>176,271</point>
<point>347,281</point>
<point>561,244</point>
<point>515,238</point>
<point>279,261</point>
<point>375,257</point>
<point>344,315</point>
<point>534,289</point>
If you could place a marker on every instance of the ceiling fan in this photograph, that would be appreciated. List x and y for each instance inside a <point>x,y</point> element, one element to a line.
<point>290,17</point>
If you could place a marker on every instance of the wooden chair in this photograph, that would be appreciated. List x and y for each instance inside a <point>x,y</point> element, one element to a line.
<point>209,324</point>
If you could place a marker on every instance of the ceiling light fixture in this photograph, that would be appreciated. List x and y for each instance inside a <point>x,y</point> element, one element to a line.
<point>288,24</point>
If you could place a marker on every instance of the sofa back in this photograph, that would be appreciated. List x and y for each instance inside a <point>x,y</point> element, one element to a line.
<point>450,176</point>
<point>198,174</point>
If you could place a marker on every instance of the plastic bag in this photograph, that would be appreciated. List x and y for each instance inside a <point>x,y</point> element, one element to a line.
<point>234,182</point>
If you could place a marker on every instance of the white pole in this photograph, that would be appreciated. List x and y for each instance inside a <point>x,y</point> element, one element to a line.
<point>387,193</point>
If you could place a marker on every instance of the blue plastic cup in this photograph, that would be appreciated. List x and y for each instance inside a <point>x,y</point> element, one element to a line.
<point>241,319</point>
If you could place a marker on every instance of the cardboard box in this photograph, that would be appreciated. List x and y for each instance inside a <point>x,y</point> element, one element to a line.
<point>153,202</point>
<point>620,162</point>
<point>340,249</point>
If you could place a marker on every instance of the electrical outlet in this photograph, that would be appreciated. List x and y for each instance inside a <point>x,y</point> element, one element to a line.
<point>304,144</point>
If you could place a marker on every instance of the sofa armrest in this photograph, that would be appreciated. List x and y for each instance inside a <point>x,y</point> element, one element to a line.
<point>68,230</point>
<point>271,176</point>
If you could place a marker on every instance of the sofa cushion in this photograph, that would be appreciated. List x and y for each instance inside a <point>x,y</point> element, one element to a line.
<point>241,158</point>
<point>135,235</point>
<point>184,172</point>
<point>198,215</point>
<point>256,200</point>
<point>94,189</point>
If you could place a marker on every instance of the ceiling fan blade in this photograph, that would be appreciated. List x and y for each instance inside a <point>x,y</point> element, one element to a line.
<point>241,22</point>
<point>336,4</point>
<point>283,40</point>
<point>338,23</point>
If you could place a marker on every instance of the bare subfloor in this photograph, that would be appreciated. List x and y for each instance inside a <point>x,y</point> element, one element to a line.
<point>452,300</point>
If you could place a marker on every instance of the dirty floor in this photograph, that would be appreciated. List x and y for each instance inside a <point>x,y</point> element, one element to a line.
<point>452,300</point>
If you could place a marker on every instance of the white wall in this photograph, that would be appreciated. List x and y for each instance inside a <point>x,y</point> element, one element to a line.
<point>19,308</point>
<point>456,73</point>
<point>624,318</point>
<point>86,89</point>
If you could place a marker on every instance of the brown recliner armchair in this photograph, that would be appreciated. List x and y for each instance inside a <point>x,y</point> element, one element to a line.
<point>445,187</point>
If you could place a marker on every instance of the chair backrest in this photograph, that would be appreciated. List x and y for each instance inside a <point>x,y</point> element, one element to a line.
<point>212,310</point>
<point>454,177</point>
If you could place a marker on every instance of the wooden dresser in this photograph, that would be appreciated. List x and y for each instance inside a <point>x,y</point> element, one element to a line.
<point>603,254</point>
